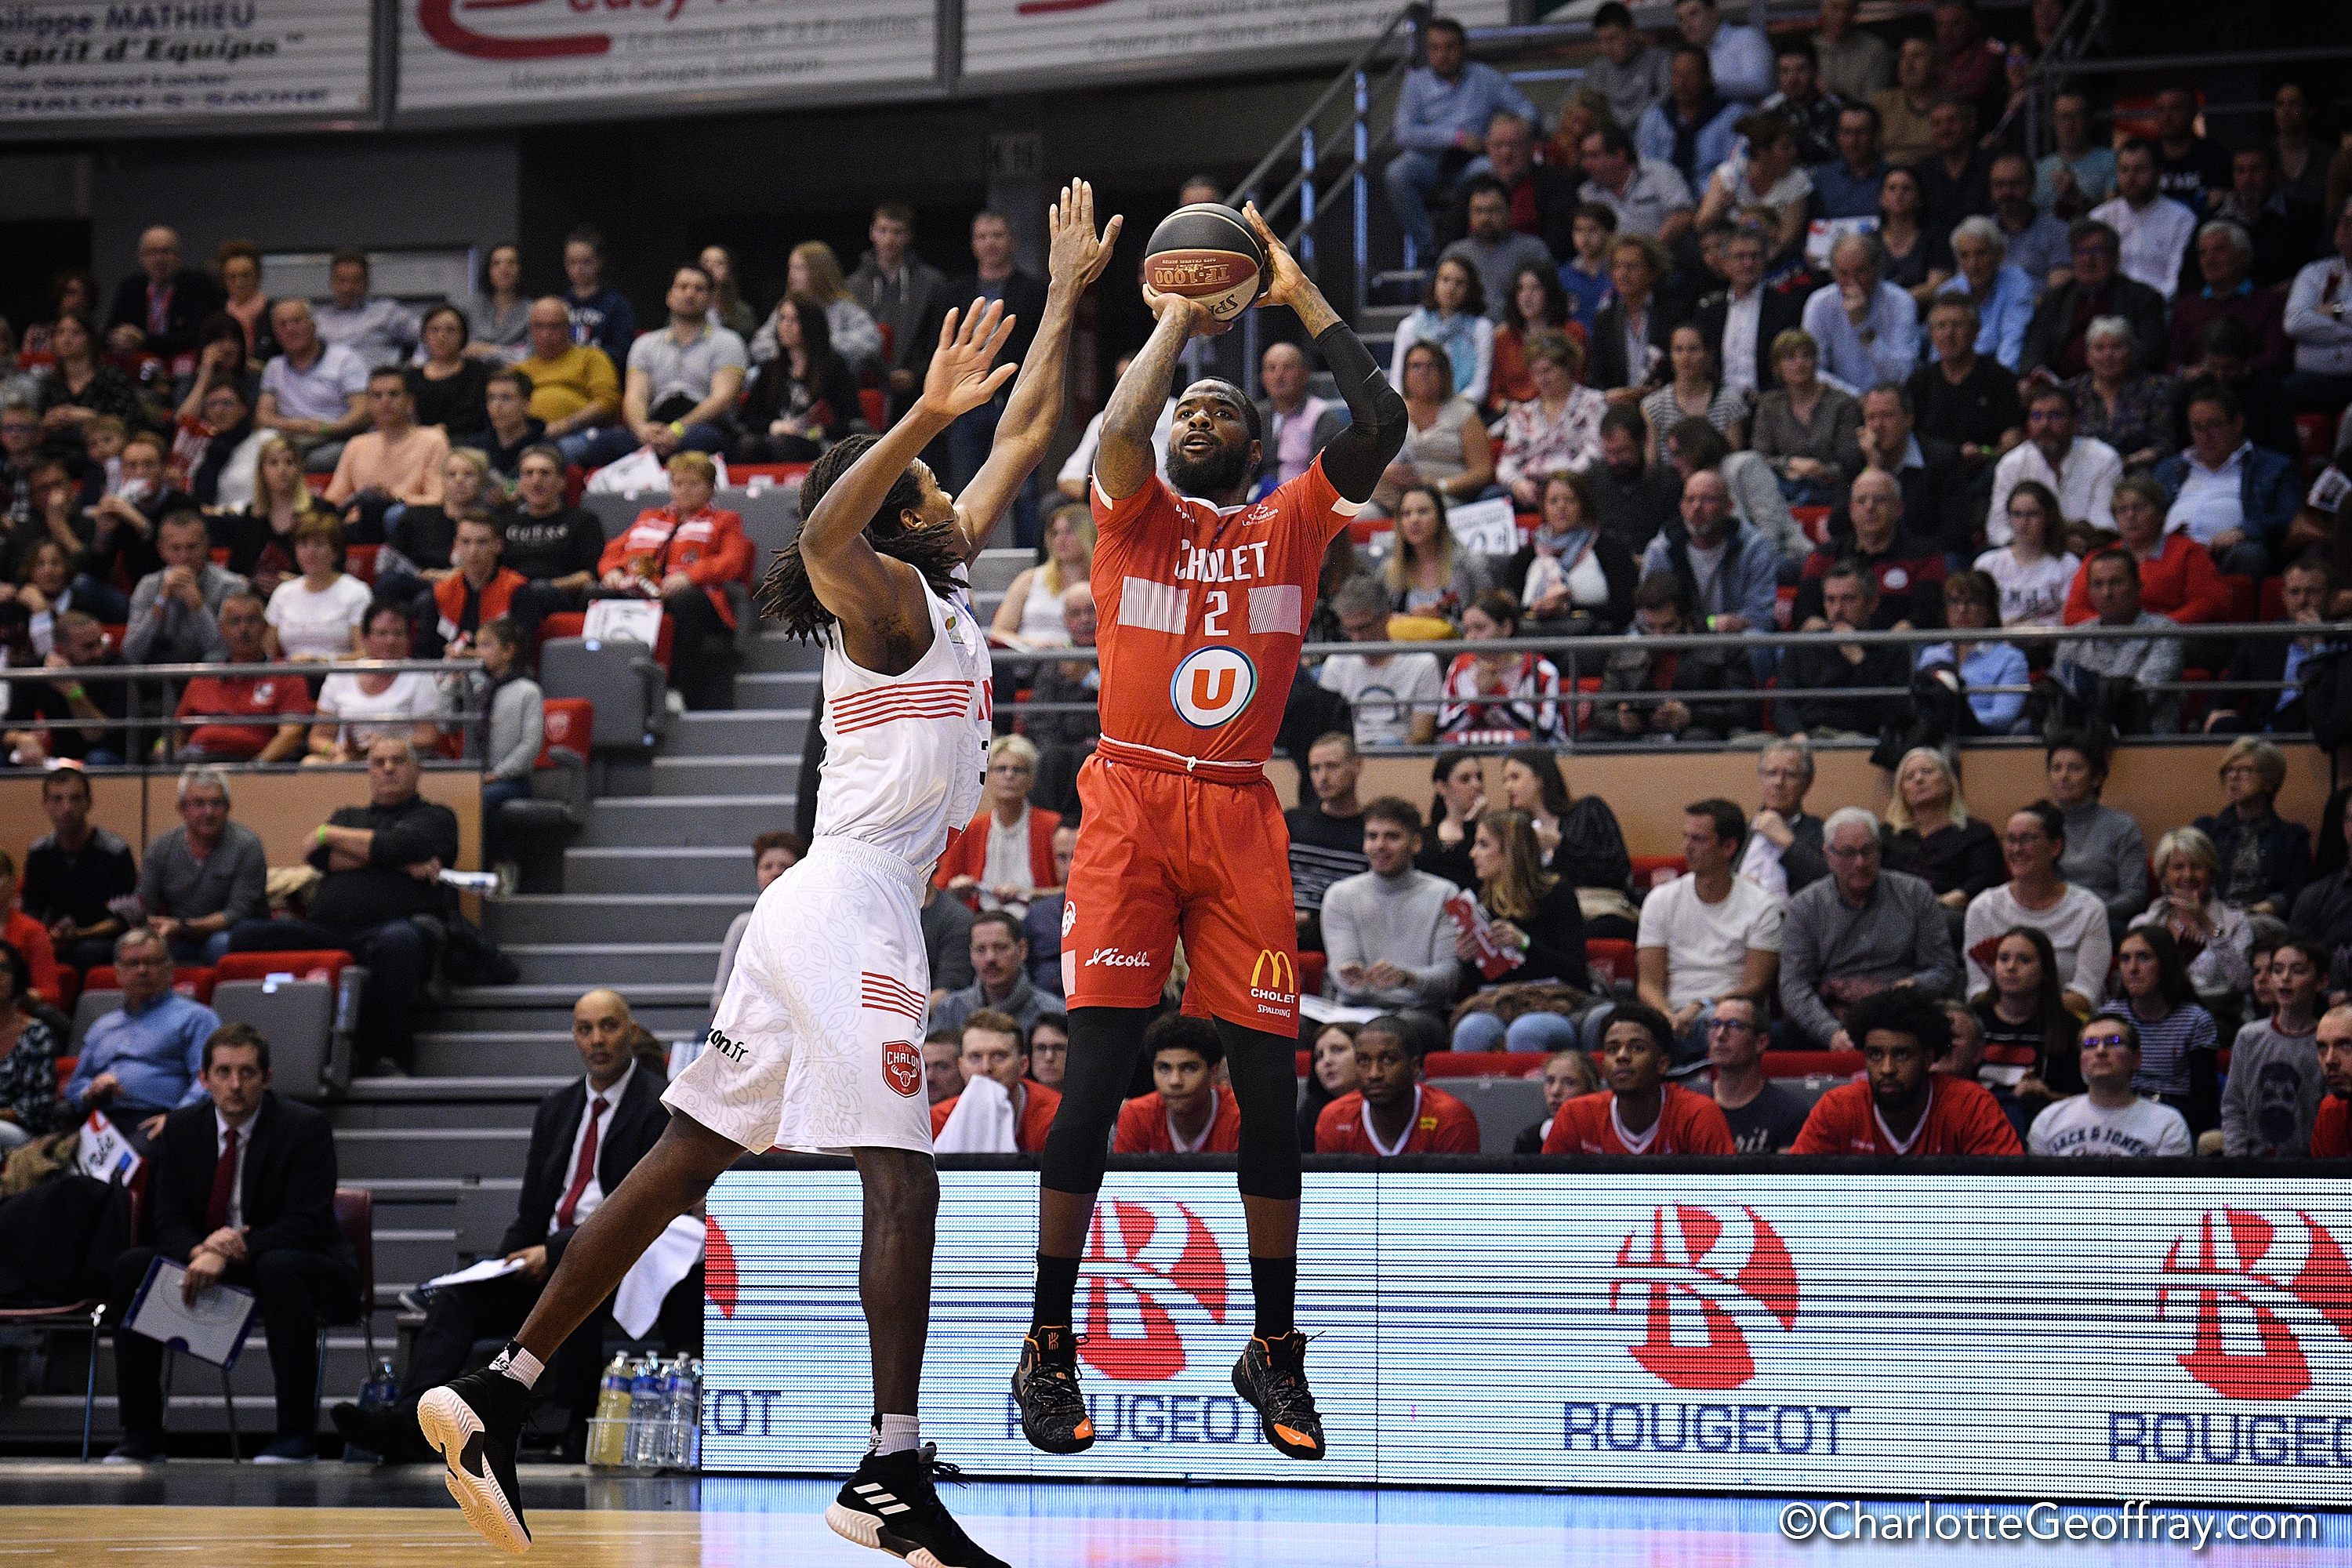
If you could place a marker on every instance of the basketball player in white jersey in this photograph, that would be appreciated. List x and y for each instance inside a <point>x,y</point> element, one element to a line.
<point>816,1044</point>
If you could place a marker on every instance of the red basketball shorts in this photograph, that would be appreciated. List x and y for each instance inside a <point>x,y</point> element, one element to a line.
<point>1164,855</point>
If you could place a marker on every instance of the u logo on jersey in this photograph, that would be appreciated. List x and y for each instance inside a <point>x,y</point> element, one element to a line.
<point>1212,686</point>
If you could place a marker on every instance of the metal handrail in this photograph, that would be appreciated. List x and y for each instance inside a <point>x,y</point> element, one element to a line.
<point>164,674</point>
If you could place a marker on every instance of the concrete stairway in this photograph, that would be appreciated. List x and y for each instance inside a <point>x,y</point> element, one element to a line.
<point>649,887</point>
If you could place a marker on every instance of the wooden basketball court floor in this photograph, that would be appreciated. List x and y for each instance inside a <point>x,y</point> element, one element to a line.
<point>337,1516</point>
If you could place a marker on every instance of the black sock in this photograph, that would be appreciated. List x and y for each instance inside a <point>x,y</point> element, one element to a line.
<point>1057,1281</point>
<point>1274,1283</point>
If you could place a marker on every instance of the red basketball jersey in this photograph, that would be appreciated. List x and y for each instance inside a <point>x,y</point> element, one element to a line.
<point>1201,616</point>
<point>1962,1117</point>
<point>1687,1123</point>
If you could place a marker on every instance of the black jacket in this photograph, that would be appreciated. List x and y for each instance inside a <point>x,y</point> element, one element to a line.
<point>626,1139</point>
<point>194,296</point>
<point>1935,501</point>
<point>827,400</point>
<point>405,834</point>
<point>2052,325</point>
<point>1604,355</point>
<point>1695,671</point>
<point>1779,313</point>
<point>290,1181</point>
<point>1024,296</point>
<point>1809,676</point>
<point>2252,712</point>
<point>2285,854</point>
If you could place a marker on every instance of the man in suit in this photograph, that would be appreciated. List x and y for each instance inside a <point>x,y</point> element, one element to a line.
<point>243,1193</point>
<point>1934,487</point>
<point>2054,336</point>
<point>586,1137</point>
<point>2303,592</point>
<point>1635,262</point>
<point>157,309</point>
<point>1748,316</point>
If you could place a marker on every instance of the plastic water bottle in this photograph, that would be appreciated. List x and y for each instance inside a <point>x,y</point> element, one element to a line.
<point>379,1394</point>
<point>645,1414</point>
<point>689,1452</point>
<point>608,1438</point>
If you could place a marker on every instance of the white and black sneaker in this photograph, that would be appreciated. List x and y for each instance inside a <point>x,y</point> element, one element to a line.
<point>891,1505</point>
<point>475,1423</point>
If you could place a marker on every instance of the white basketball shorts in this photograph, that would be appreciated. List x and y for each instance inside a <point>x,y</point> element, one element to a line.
<point>817,1045</point>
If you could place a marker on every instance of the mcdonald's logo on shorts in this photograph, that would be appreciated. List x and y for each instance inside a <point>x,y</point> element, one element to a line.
<point>1274,978</point>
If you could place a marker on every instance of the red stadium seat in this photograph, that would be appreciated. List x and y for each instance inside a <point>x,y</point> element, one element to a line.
<point>114,634</point>
<point>309,963</point>
<point>193,981</point>
<point>2246,597</point>
<point>220,555</point>
<point>1311,967</point>
<point>1646,864</point>
<point>1483,1064</point>
<point>1615,954</point>
<point>1812,1064</point>
<point>2273,603</point>
<point>871,407</point>
<point>568,723</point>
<point>359,560</point>
<point>318,482</point>
<point>1784,608</point>
<point>2315,436</point>
<point>65,1065</point>
<point>575,484</point>
<point>1815,521</point>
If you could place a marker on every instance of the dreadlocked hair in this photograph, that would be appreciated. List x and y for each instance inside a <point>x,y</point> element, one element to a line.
<point>935,550</point>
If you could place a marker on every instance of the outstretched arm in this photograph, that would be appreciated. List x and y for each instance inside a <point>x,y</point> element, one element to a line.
<point>1033,413</point>
<point>1123,458</point>
<point>879,602</point>
<point>1357,456</point>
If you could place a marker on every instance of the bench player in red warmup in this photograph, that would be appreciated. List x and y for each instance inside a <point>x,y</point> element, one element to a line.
<point>1204,604</point>
<point>1641,1113</point>
<point>1905,1108</point>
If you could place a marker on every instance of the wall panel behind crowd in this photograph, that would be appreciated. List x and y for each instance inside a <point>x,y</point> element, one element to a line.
<point>315,192</point>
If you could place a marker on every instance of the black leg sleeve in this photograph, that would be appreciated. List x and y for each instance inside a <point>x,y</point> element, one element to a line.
<point>1103,1043</point>
<point>1265,1072</point>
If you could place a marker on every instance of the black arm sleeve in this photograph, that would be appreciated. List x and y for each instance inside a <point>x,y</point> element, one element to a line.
<point>1359,454</point>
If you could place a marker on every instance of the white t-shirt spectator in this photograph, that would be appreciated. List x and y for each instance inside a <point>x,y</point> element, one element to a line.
<point>413,695</point>
<point>2076,1126</point>
<point>1707,944</point>
<point>1386,696</point>
<point>317,625</point>
<point>2031,595</point>
<point>325,392</point>
<point>2076,926</point>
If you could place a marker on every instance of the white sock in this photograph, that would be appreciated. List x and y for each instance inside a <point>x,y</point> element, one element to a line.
<point>517,1364</point>
<point>898,1433</point>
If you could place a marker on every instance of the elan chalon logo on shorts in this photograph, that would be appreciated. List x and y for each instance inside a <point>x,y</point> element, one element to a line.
<point>902,1067</point>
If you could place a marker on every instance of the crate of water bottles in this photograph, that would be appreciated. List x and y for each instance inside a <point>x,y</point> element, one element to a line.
<point>648,1416</point>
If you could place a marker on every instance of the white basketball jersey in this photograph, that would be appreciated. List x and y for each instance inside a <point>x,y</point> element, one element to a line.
<point>905,754</point>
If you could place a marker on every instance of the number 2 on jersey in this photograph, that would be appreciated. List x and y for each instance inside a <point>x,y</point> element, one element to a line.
<point>1213,612</point>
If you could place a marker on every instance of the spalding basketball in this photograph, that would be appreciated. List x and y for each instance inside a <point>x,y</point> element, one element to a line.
<point>1208,252</point>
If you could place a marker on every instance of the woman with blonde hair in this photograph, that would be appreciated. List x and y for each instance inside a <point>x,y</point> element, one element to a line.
<point>1431,579</point>
<point>261,537</point>
<point>1030,615</point>
<point>815,271</point>
<point>2214,939</point>
<point>2264,859</point>
<point>1004,859</point>
<point>1930,835</point>
<point>1534,931</point>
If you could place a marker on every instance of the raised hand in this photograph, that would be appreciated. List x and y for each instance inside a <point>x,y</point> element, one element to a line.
<point>960,379</point>
<point>1200,323</point>
<point>1075,254</point>
<point>1289,286</point>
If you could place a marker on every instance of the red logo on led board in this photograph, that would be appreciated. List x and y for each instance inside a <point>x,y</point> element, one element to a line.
<point>1138,1255</point>
<point>2225,1268</point>
<point>1674,1262</point>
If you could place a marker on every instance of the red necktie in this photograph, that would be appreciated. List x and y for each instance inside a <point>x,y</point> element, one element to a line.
<point>224,1183</point>
<point>585,1170</point>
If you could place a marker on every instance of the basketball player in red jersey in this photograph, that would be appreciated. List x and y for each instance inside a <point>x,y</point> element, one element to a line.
<point>1204,604</point>
<point>1641,1113</point>
<point>1905,1108</point>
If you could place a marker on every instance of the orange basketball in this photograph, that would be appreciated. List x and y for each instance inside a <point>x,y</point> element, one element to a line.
<point>1208,252</point>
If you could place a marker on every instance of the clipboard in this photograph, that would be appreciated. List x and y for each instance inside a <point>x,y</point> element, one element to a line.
<point>213,1330</point>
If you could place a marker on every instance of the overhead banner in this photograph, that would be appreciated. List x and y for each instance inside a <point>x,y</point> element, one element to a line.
<point>101,65</point>
<point>1028,37</point>
<point>581,57</point>
<point>2024,1336</point>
